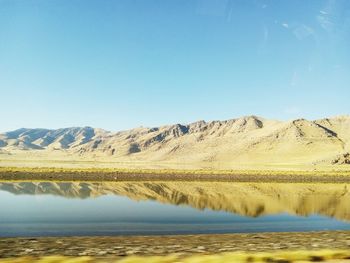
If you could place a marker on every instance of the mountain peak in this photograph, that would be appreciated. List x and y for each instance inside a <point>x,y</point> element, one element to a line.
<point>248,140</point>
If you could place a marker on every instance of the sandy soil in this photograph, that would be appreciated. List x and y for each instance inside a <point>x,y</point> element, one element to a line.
<point>121,246</point>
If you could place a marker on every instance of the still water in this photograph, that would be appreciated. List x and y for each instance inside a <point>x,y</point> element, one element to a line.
<point>126,208</point>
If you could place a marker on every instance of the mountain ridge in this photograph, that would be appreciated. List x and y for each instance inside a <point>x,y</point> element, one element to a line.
<point>245,140</point>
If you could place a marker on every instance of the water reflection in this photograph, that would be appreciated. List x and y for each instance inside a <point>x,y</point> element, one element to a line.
<point>246,199</point>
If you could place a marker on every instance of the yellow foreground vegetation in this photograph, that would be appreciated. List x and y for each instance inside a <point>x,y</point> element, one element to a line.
<point>278,257</point>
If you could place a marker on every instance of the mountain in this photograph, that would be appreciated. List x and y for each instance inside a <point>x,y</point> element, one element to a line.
<point>243,142</point>
<point>247,199</point>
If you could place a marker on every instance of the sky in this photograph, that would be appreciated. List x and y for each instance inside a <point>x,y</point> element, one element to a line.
<point>120,64</point>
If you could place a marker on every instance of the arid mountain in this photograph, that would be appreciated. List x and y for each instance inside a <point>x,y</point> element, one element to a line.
<point>248,199</point>
<point>40,139</point>
<point>244,141</point>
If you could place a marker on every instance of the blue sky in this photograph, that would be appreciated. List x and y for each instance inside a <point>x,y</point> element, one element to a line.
<point>119,64</point>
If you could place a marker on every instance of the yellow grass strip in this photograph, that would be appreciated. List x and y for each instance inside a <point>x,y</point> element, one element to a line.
<point>57,170</point>
<point>238,257</point>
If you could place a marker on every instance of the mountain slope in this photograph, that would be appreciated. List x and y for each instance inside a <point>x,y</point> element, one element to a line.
<point>35,139</point>
<point>244,141</point>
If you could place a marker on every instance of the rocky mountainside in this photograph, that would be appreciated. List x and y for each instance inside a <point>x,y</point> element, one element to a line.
<point>245,140</point>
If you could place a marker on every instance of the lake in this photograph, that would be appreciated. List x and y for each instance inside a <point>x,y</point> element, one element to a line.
<point>139,208</point>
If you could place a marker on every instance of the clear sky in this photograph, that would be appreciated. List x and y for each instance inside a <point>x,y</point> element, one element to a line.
<point>119,64</point>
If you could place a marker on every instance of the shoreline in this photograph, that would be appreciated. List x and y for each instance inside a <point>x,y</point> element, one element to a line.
<point>183,245</point>
<point>119,175</point>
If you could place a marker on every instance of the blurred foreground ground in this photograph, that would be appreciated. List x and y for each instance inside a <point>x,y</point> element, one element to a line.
<point>335,256</point>
<point>179,247</point>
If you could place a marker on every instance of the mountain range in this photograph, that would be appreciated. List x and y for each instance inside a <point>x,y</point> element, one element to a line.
<point>246,141</point>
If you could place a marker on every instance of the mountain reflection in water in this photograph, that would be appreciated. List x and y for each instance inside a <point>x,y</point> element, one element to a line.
<point>246,199</point>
